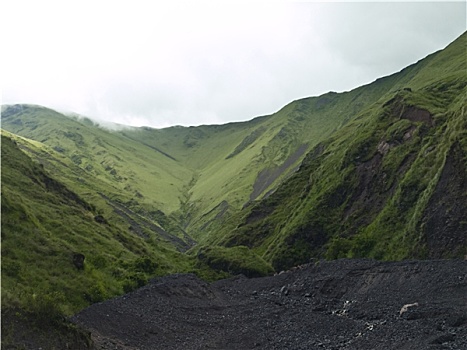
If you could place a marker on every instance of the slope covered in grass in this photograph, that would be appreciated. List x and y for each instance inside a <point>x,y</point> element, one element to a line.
<point>128,166</point>
<point>378,172</point>
<point>391,184</point>
<point>46,226</point>
<point>197,176</point>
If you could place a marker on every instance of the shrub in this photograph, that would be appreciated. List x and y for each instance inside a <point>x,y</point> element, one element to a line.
<point>338,248</point>
<point>362,245</point>
<point>96,293</point>
<point>134,281</point>
<point>145,264</point>
<point>45,307</point>
<point>235,260</point>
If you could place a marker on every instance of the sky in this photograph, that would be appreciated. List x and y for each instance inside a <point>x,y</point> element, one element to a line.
<point>164,63</point>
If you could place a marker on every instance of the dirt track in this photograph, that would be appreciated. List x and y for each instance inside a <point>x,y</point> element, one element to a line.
<point>345,304</point>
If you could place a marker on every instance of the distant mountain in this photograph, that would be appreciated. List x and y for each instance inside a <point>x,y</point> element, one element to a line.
<point>379,171</point>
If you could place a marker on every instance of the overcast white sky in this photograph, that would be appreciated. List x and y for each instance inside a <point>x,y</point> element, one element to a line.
<point>180,63</point>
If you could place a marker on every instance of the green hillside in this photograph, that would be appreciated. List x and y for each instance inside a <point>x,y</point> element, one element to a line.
<point>390,184</point>
<point>46,225</point>
<point>197,177</point>
<point>127,166</point>
<point>379,171</point>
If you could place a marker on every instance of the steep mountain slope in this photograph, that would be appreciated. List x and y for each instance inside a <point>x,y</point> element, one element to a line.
<point>237,163</point>
<point>129,167</point>
<point>199,176</point>
<point>193,182</point>
<point>61,252</point>
<point>379,171</point>
<point>55,243</point>
<point>391,184</point>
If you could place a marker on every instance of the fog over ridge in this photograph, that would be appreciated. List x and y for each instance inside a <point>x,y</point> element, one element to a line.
<point>183,63</point>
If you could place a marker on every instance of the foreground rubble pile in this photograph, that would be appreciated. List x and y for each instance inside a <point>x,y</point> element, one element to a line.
<point>344,304</point>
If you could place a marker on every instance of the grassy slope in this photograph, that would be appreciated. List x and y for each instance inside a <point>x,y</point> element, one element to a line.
<point>188,172</point>
<point>199,178</point>
<point>353,197</point>
<point>44,223</point>
<point>127,166</point>
<point>227,160</point>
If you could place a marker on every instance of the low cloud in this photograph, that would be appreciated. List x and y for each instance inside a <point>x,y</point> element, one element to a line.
<point>189,64</point>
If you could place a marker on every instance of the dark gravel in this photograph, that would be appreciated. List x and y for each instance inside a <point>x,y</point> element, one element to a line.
<point>344,304</point>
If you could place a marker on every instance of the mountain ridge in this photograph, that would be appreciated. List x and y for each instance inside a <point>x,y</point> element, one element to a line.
<point>376,172</point>
<point>414,120</point>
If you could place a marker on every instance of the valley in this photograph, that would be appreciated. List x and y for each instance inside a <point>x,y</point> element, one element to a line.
<point>378,172</point>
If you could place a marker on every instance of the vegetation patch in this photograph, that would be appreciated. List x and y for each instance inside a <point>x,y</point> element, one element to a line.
<point>234,261</point>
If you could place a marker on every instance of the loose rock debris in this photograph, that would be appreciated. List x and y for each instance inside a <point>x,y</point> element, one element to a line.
<point>405,308</point>
<point>343,304</point>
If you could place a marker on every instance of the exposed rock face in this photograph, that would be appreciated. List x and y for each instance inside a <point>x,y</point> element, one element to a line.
<point>383,147</point>
<point>416,114</point>
<point>444,218</point>
<point>268,175</point>
<point>343,304</point>
<point>412,113</point>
